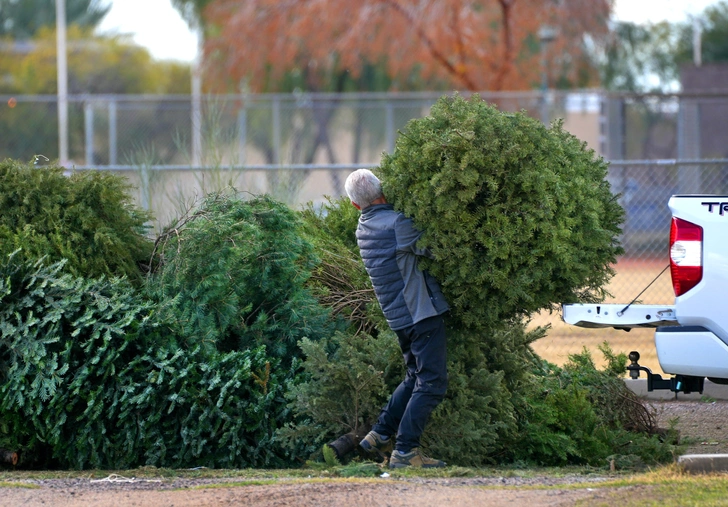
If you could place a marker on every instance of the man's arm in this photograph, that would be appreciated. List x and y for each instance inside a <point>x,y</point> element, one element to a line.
<point>407,237</point>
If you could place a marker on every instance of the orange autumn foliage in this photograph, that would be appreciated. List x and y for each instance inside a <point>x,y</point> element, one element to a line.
<point>466,45</point>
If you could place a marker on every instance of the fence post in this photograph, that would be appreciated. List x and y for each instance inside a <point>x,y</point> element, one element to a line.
<point>389,127</point>
<point>88,113</point>
<point>614,123</point>
<point>62,81</point>
<point>145,190</point>
<point>688,146</point>
<point>277,130</point>
<point>196,117</point>
<point>112,131</point>
<point>242,134</point>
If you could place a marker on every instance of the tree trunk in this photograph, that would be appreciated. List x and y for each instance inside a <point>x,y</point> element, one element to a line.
<point>343,445</point>
<point>8,457</point>
<point>348,443</point>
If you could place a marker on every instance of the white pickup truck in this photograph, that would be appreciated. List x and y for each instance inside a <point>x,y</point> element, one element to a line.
<point>691,336</point>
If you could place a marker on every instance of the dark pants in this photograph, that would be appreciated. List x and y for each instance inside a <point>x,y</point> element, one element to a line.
<point>423,388</point>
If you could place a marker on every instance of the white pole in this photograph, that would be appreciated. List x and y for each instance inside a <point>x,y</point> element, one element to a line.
<point>546,34</point>
<point>62,79</point>
<point>697,42</point>
<point>197,103</point>
<point>112,131</point>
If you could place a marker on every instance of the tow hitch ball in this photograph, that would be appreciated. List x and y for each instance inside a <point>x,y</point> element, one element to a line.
<point>679,383</point>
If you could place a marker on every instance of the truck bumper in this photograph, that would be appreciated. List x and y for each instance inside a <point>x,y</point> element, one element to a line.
<point>619,316</point>
<point>691,350</point>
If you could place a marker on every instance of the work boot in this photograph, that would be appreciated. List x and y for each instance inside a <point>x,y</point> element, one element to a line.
<point>413,458</point>
<point>376,443</point>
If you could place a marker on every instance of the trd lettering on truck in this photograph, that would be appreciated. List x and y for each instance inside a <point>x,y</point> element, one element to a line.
<point>722,206</point>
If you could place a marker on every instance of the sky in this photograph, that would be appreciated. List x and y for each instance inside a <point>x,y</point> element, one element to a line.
<point>156,25</point>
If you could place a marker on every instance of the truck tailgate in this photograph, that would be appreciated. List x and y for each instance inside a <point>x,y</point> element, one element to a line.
<point>620,316</point>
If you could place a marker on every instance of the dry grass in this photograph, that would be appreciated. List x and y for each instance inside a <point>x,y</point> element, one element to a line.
<point>665,487</point>
<point>631,278</point>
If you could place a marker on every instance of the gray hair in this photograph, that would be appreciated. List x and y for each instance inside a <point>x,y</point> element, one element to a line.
<point>363,187</point>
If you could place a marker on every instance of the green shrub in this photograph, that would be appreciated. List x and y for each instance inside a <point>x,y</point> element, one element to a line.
<point>336,219</point>
<point>87,379</point>
<point>62,342</point>
<point>477,422</point>
<point>233,276</point>
<point>580,414</point>
<point>233,354</point>
<point>519,217</point>
<point>192,371</point>
<point>477,417</point>
<point>339,280</point>
<point>561,426</point>
<point>186,408</point>
<point>87,218</point>
<point>347,381</point>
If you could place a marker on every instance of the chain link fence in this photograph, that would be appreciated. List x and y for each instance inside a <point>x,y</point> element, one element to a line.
<point>300,147</point>
<point>273,130</point>
<point>243,130</point>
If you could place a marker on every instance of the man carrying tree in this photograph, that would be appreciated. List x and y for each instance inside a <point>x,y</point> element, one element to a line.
<point>413,305</point>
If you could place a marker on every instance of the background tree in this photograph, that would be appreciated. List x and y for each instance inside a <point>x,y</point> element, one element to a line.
<point>380,45</point>
<point>714,37</point>
<point>96,65</point>
<point>490,45</point>
<point>295,76</point>
<point>192,11</point>
<point>23,19</point>
<point>646,58</point>
<point>639,58</point>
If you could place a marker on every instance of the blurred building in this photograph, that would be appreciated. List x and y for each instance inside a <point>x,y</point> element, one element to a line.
<point>704,90</point>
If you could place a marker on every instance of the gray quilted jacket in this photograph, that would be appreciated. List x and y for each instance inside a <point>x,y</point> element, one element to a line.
<point>388,245</point>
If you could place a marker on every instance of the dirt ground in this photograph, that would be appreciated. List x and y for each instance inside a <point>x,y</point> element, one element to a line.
<point>339,492</point>
<point>701,426</point>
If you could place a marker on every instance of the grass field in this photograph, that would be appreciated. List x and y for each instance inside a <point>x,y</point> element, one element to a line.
<point>631,278</point>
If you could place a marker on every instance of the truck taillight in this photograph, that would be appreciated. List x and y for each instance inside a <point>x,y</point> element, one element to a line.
<point>686,255</point>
